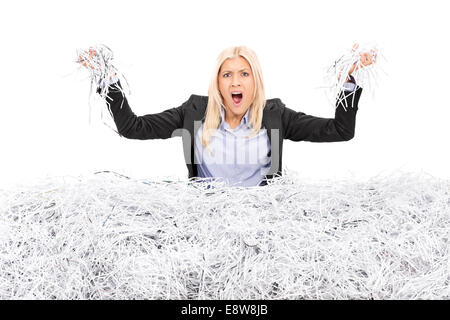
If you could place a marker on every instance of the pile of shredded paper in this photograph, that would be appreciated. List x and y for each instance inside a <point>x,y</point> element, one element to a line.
<point>107,236</point>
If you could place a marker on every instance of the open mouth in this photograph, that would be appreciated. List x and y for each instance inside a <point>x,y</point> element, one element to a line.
<point>237,98</point>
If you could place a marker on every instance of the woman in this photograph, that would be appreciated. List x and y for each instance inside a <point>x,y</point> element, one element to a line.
<point>234,133</point>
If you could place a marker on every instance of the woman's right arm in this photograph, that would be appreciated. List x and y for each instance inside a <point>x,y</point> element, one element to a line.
<point>151,126</point>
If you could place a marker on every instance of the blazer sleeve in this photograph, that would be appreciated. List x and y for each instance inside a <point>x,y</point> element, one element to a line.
<point>151,126</point>
<point>302,127</point>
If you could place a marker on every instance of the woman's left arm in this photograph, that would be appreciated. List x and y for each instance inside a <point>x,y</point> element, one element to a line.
<point>298,126</point>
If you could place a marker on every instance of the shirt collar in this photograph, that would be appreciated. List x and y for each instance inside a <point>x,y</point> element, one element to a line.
<point>245,119</point>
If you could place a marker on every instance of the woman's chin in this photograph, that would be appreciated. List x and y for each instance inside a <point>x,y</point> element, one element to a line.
<point>237,105</point>
<point>242,105</point>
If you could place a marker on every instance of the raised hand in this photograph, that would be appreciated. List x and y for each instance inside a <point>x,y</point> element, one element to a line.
<point>366,59</point>
<point>86,61</point>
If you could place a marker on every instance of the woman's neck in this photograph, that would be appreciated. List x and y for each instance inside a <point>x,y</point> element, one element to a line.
<point>233,122</point>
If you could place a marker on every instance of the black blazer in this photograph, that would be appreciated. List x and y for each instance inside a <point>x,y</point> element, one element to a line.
<point>280,122</point>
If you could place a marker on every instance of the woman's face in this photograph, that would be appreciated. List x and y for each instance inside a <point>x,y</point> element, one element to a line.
<point>236,85</point>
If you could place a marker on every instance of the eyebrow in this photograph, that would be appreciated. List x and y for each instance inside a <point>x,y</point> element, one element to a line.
<point>239,70</point>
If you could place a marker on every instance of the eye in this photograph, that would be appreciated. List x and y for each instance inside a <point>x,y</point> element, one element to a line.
<point>246,74</point>
<point>225,75</point>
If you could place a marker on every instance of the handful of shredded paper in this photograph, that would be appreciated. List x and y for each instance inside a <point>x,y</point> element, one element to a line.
<point>107,236</point>
<point>98,61</point>
<point>366,76</point>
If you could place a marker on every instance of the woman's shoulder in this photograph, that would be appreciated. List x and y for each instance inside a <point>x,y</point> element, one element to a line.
<point>274,104</point>
<point>197,100</point>
<point>198,97</point>
<point>195,106</point>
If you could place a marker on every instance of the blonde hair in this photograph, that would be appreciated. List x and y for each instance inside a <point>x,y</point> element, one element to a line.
<point>215,101</point>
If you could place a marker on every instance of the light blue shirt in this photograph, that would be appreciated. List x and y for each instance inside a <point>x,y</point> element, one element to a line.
<point>235,160</point>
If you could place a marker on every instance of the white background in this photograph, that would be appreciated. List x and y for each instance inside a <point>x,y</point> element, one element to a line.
<point>167,51</point>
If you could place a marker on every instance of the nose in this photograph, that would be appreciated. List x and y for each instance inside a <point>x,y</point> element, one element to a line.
<point>235,82</point>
